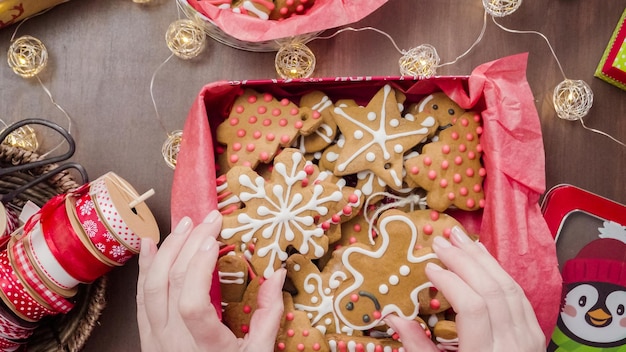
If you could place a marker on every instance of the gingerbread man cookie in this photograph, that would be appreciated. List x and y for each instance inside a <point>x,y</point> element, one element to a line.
<point>384,279</point>
<point>296,332</point>
<point>439,106</point>
<point>377,136</point>
<point>451,169</point>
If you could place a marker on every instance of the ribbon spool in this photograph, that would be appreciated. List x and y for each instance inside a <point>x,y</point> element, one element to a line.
<point>294,60</point>
<point>8,223</point>
<point>27,56</point>
<point>123,210</point>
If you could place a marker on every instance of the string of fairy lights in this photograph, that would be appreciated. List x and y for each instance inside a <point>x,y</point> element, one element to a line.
<point>186,38</point>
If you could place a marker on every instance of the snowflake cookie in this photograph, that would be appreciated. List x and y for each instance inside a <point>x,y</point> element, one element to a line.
<point>286,212</point>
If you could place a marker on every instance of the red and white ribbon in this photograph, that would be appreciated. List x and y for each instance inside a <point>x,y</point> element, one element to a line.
<point>98,233</point>
<point>13,328</point>
<point>16,296</point>
<point>111,216</point>
<point>27,272</point>
<point>45,261</point>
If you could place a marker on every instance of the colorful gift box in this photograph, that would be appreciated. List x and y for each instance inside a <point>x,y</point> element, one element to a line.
<point>13,11</point>
<point>511,225</point>
<point>612,67</point>
<point>590,235</point>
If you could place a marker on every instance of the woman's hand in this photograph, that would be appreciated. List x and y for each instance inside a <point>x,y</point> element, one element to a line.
<point>174,309</point>
<point>492,312</point>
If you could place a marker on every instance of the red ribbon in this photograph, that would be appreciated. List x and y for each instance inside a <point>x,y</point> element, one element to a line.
<point>64,242</point>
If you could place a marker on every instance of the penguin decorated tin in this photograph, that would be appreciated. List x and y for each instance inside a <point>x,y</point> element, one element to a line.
<point>590,235</point>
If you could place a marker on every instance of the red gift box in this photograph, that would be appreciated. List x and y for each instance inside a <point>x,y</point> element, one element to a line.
<point>511,224</point>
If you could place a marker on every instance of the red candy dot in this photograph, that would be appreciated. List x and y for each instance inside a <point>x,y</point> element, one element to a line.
<point>250,147</point>
<point>309,169</point>
<point>267,122</point>
<point>325,225</point>
<point>290,333</point>
<point>316,115</point>
<point>245,329</point>
<point>257,134</point>
<point>267,97</point>
<point>236,146</point>
<point>471,155</point>
<point>261,110</point>
<point>284,102</point>
<point>458,160</point>
<point>299,8</point>
<point>316,347</point>
<point>239,109</point>
<point>276,112</point>
<point>463,191</point>
<point>305,333</point>
<point>434,215</point>
<point>479,130</point>
<point>428,161</point>
<point>481,203</point>
<point>462,148</point>
<point>252,99</point>
<point>445,164</point>
<point>457,178</point>
<point>477,188</point>
<point>264,156</point>
<point>283,10</point>
<point>470,203</point>
<point>354,297</point>
<point>294,111</point>
<point>432,174</point>
<point>336,218</point>
<point>252,119</point>
<point>464,122</point>
<point>234,121</point>
<point>241,133</point>
<point>454,135</point>
<point>469,137</point>
<point>447,232</point>
<point>359,347</point>
<point>352,240</point>
<point>357,228</point>
<point>445,149</point>
<point>285,139</point>
<point>435,304</point>
<point>469,172</point>
<point>414,170</point>
<point>234,158</point>
<point>300,347</point>
<point>482,172</point>
<point>298,124</point>
<point>443,183</point>
<point>353,198</point>
<point>451,196</point>
<point>376,314</point>
<point>479,148</point>
<point>281,346</point>
<point>428,229</point>
<point>289,316</point>
<point>247,309</point>
<point>270,137</point>
<point>347,210</point>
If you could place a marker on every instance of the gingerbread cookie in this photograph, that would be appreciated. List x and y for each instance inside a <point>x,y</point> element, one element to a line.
<point>258,125</point>
<point>451,169</point>
<point>446,336</point>
<point>281,213</point>
<point>255,8</point>
<point>233,275</point>
<point>437,105</point>
<point>296,332</point>
<point>325,134</point>
<point>237,315</point>
<point>343,342</point>
<point>377,136</point>
<point>385,279</point>
<point>286,8</point>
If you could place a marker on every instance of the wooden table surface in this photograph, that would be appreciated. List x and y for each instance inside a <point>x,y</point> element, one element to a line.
<point>103,55</point>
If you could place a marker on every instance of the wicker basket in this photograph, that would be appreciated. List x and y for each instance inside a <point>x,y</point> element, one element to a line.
<point>64,332</point>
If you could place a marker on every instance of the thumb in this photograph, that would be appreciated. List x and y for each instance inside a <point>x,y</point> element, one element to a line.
<point>266,319</point>
<point>412,334</point>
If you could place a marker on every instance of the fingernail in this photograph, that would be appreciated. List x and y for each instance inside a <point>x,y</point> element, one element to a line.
<point>459,235</point>
<point>433,267</point>
<point>183,225</point>
<point>208,243</point>
<point>145,245</point>
<point>212,217</point>
<point>441,242</point>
